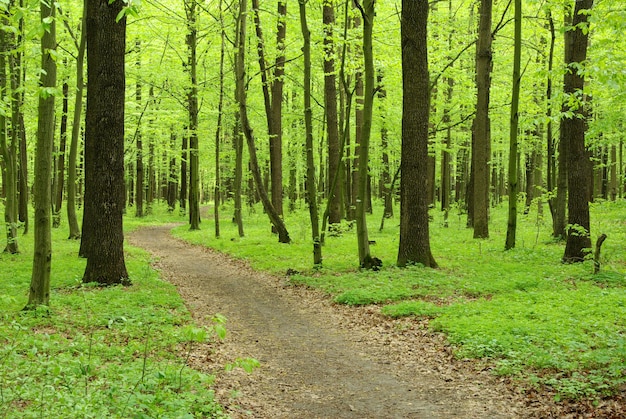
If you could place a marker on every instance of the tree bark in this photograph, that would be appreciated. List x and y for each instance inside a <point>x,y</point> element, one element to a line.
<point>192,108</point>
<point>104,144</point>
<point>308,122</point>
<point>42,256</point>
<point>414,246</point>
<point>481,130</point>
<point>275,219</point>
<point>513,129</point>
<point>60,177</point>
<point>573,128</point>
<point>139,174</point>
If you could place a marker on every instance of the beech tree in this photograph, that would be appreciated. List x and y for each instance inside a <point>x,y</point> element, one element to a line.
<point>103,236</point>
<point>414,246</point>
<point>573,127</point>
<point>42,257</point>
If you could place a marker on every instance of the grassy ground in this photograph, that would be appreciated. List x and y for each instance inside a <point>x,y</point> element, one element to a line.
<point>113,352</point>
<point>522,311</point>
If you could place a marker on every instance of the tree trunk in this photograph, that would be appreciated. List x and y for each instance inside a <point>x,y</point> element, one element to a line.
<point>139,175</point>
<point>182,198</point>
<point>192,108</point>
<point>9,159</point>
<point>514,124</point>
<point>275,219</point>
<point>60,177</point>
<point>238,177</point>
<point>42,256</point>
<point>365,258</point>
<point>76,122</point>
<point>218,129</point>
<point>104,144</point>
<point>481,130</point>
<point>573,131</point>
<point>172,184</point>
<point>414,244</point>
<point>308,122</point>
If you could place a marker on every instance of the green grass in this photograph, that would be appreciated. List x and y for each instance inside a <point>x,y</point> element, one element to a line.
<point>523,311</point>
<point>98,352</point>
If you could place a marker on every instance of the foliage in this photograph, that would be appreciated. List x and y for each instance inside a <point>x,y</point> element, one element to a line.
<point>99,352</point>
<point>521,311</point>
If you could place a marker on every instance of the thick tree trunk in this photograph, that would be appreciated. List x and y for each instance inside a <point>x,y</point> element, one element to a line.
<point>414,244</point>
<point>573,130</point>
<point>481,147</point>
<point>42,256</point>
<point>104,144</point>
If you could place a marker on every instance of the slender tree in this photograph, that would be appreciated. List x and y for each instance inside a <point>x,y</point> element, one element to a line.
<point>9,159</point>
<point>514,124</point>
<point>139,170</point>
<point>218,130</point>
<point>573,127</point>
<point>104,144</point>
<point>60,170</point>
<point>414,246</point>
<point>308,122</point>
<point>330,103</point>
<point>192,108</point>
<point>76,123</point>
<point>275,219</point>
<point>365,258</point>
<point>42,256</point>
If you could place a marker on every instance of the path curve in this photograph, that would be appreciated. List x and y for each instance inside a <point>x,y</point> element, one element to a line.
<point>316,361</point>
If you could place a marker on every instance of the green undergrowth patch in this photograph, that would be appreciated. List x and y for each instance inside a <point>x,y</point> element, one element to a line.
<point>98,352</point>
<point>523,311</point>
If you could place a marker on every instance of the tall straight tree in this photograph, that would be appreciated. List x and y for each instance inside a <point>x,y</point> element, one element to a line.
<point>103,234</point>
<point>8,149</point>
<point>414,244</point>
<point>330,103</point>
<point>192,108</point>
<point>241,97</point>
<point>273,83</point>
<point>42,256</point>
<point>76,121</point>
<point>481,129</point>
<point>513,128</point>
<point>368,14</point>
<point>308,122</point>
<point>573,127</point>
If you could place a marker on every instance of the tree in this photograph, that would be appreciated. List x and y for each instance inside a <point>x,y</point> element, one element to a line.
<point>192,108</point>
<point>308,122</point>
<point>513,186</point>
<point>414,246</point>
<point>330,103</point>
<point>139,175</point>
<point>42,257</point>
<point>76,122</point>
<point>365,258</point>
<point>573,127</point>
<point>241,97</point>
<point>103,234</point>
<point>9,159</point>
<point>481,129</point>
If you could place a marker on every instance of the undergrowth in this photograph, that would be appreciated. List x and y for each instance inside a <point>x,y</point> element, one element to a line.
<point>526,313</point>
<point>96,352</point>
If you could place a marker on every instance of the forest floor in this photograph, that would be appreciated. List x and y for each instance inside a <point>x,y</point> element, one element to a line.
<point>320,359</point>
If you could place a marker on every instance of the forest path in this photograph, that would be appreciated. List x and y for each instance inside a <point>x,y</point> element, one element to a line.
<point>318,359</point>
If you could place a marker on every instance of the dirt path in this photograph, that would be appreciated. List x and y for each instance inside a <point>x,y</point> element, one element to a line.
<point>319,360</point>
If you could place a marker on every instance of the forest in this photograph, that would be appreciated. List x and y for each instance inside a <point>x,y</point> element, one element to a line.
<point>449,170</point>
